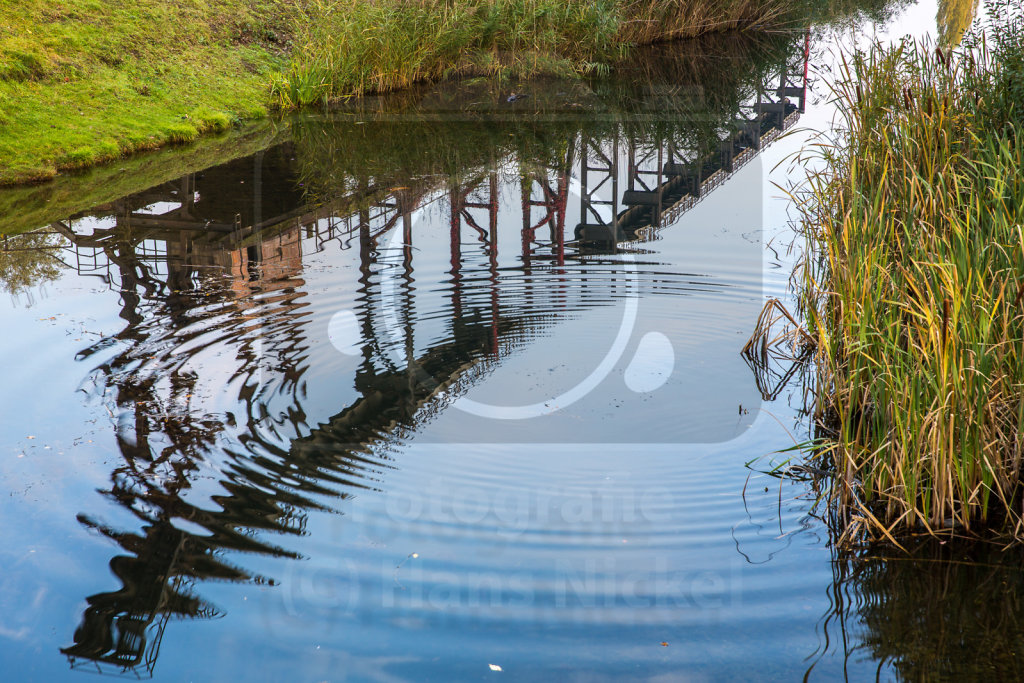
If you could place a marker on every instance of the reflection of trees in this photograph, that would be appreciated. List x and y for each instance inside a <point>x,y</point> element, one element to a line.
<point>27,261</point>
<point>952,611</point>
<point>953,19</point>
<point>854,12</point>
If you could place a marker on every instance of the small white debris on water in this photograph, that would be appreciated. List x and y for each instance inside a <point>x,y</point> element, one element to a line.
<point>494,667</point>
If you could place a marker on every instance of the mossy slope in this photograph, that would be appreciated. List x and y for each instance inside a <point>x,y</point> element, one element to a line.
<point>84,81</point>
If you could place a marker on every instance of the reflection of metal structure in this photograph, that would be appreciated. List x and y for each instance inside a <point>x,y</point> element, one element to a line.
<point>664,180</point>
<point>198,249</point>
<point>599,215</point>
<point>661,183</point>
<point>552,203</point>
<point>130,641</point>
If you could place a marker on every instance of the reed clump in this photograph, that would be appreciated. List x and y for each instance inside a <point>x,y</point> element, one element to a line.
<point>914,291</point>
<point>350,47</point>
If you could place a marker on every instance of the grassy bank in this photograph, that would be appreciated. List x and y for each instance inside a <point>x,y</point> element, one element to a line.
<point>915,290</point>
<point>84,81</point>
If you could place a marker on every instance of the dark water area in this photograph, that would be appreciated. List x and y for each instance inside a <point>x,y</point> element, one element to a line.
<point>447,385</point>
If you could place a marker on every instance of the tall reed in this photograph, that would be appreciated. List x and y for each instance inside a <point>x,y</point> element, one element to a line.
<point>351,47</point>
<point>915,292</point>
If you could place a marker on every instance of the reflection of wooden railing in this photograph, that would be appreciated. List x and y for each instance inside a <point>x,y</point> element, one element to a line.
<point>673,213</point>
<point>679,181</point>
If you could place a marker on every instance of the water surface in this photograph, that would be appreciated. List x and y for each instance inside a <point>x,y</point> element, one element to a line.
<point>447,385</point>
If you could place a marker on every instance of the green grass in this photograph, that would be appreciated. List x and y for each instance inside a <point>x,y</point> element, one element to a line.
<point>86,81</point>
<point>915,291</point>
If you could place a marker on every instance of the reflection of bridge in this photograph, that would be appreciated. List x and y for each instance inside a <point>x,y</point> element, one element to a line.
<point>166,251</point>
<point>664,181</point>
<point>626,185</point>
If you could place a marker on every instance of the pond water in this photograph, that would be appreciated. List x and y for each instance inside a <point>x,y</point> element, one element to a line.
<point>448,385</point>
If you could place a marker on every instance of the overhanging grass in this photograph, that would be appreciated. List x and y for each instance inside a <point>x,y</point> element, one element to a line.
<point>28,207</point>
<point>915,292</point>
<point>699,87</point>
<point>351,47</point>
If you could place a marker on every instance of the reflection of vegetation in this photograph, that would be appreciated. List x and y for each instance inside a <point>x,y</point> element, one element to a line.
<point>853,12</point>
<point>273,467</point>
<point>953,19</point>
<point>940,612</point>
<point>30,207</point>
<point>27,261</point>
<point>83,82</point>
<point>688,92</point>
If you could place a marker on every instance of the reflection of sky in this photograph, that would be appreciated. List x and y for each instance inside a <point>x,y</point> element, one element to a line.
<point>49,563</point>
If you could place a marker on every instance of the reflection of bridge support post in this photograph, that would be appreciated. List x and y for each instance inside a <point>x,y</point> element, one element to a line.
<point>727,149</point>
<point>593,226</point>
<point>553,202</point>
<point>527,233</point>
<point>562,198</point>
<point>404,207</point>
<point>460,206</point>
<point>645,194</point>
<point>492,215</point>
<point>455,238</point>
<point>257,190</point>
<point>188,195</point>
<point>179,265</point>
<point>754,134</point>
<point>365,247</point>
<point>807,60</point>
